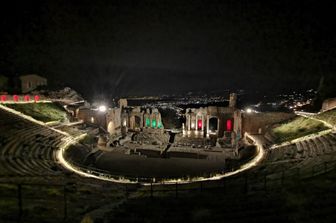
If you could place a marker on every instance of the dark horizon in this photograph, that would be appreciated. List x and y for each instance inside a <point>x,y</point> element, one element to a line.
<point>149,48</point>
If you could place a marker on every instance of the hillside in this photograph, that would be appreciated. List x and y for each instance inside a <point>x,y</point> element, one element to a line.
<point>45,112</point>
<point>328,116</point>
<point>295,128</point>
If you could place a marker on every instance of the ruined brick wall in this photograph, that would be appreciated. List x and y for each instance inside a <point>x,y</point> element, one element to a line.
<point>255,122</point>
<point>85,115</point>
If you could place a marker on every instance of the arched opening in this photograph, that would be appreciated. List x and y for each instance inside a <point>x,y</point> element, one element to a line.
<point>111,128</point>
<point>137,121</point>
<point>213,124</point>
<point>229,125</point>
<point>154,123</point>
<point>199,124</point>
<point>147,122</point>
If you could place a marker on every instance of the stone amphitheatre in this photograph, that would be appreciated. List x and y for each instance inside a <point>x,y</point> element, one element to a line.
<point>62,161</point>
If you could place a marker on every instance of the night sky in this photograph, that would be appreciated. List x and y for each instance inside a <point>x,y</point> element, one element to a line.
<point>122,48</point>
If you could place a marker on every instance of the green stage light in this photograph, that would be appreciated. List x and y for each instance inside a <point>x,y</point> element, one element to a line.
<point>147,122</point>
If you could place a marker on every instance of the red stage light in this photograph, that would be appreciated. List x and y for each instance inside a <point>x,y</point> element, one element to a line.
<point>26,98</point>
<point>15,98</point>
<point>36,98</point>
<point>199,124</point>
<point>228,125</point>
<point>3,98</point>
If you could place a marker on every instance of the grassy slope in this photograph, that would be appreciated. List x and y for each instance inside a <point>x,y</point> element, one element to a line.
<point>328,116</point>
<point>45,112</point>
<point>296,128</point>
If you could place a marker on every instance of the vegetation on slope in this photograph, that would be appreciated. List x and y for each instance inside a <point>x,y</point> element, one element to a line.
<point>295,128</point>
<point>45,112</point>
<point>328,116</point>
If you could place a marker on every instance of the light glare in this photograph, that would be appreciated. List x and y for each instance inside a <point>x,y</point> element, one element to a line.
<point>102,108</point>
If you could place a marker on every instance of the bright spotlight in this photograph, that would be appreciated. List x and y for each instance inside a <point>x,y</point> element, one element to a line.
<point>248,110</point>
<point>102,108</point>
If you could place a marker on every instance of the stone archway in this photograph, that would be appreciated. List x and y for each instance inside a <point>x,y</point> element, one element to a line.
<point>213,124</point>
<point>137,121</point>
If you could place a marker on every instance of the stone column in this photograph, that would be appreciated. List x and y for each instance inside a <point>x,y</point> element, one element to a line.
<point>188,122</point>
<point>190,118</point>
<point>141,120</point>
<point>207,127</point>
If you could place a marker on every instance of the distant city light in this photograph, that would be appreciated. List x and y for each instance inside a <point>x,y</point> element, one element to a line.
<point>249,110</point>
<point>102,108</point>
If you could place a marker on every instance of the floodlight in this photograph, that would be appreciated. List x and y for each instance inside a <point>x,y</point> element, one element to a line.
<point>102,108</point>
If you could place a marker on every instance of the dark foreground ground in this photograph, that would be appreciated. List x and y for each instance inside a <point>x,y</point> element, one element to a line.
<point>311,200</point>
<point>237,199</point>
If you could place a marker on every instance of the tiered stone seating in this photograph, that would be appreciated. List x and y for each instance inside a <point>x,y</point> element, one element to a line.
<point>304,155</point>
<point>73,131</point>
<point>300,150</point>
<point>307,150</point>
<point>27,149</point>
<point>275,155</point>
<point>312,147</point>
<point>283,153</point>
<point>321,145</point>
<point>332,138</point>
<point>327,145</point>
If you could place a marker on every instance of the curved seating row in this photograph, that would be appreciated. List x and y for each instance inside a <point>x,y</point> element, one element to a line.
<point>306,156</point>
<point>27,148</point>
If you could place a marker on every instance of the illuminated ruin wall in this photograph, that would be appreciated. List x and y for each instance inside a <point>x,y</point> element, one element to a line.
<point>120,120</point>
<point>209,121</point>
<point>257,123</point>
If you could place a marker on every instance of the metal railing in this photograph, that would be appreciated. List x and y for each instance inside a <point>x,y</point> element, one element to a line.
<point>258,181</point>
